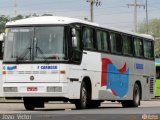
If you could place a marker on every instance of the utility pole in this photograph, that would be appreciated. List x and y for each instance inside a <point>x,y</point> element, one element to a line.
<point>15,7</point>
<point>147,16</point>
<point>92,2</point>
<point>135,5</point>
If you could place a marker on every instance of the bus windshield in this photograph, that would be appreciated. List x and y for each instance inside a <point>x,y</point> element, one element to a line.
<point>35,44</point>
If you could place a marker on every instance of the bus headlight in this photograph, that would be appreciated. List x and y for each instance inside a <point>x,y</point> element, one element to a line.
<point>10,89</point>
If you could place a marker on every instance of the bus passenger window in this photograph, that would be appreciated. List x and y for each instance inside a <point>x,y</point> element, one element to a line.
<point>99,40</point>
<point>138,47</point>
<point>127,45</point>
<point>88,38</point>
<point>116,42</point>
<point>102,41</point>
<point>148,51</point>
<point>105,41</point>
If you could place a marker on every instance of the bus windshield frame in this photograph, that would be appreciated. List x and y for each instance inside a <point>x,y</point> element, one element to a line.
<point>36,44</point>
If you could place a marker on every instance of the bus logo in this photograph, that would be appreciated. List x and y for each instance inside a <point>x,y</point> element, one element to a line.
<point>47,67</point>
<point>139,66</point>
<point>11,67</point>
<point>31,77</point>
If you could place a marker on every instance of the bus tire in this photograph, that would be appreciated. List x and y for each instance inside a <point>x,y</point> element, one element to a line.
<point>136,98</point>
<point>28,104</point>
<point>82,102</point>
<point>136,95</point>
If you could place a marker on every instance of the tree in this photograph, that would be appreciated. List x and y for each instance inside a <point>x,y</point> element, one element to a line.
<point>3,20</point>
<point>47,14</point>
<point>18,17</point>
<point>154,30</point>
<point>35,15</point>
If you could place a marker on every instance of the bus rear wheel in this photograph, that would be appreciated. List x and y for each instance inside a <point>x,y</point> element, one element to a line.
<point>82,102</point>
<point>136,98</point>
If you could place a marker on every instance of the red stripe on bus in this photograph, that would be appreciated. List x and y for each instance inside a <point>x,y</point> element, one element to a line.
<point>123,69</point>
<point>105,62</point>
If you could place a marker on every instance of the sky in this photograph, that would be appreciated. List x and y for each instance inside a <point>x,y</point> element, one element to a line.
<point>114,13</point>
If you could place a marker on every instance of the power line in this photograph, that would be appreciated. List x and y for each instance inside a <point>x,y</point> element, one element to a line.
<point>147,15</point>
<point>15,7</point>
<point>92,2</point>
<point>135,5</point>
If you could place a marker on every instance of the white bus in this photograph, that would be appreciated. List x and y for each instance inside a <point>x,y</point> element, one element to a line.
<point>53,58</point>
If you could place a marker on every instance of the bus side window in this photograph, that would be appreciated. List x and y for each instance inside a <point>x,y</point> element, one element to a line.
<point>138,47</point>
<point>148,50</point>
<point>102,41</point>
<point>127,45</point>
<point>99,40</point>
<point>88,38</point>
<point>105,41</point>
<point>116,42</point>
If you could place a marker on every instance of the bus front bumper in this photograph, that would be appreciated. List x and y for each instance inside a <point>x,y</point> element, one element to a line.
<point>35,90</point>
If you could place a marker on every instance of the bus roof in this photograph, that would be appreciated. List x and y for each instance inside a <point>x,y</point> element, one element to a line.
<point>44,20</point>
<point>53,20</point>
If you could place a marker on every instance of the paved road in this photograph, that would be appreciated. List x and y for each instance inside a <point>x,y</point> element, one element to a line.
<point>67,111</point>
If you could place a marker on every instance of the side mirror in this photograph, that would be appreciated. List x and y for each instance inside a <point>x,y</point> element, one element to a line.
<point>73,32</point>
<point>74,41</point>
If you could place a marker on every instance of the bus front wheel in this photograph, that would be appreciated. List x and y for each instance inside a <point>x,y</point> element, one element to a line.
<point>136,98</point>
<point>28,104</point>
<point>82,102</point>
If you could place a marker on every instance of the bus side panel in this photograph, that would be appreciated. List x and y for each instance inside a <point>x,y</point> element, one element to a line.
<point>118,80</point>
<point>91,68</point>
<point>148,84</point>
<point>117,70</point>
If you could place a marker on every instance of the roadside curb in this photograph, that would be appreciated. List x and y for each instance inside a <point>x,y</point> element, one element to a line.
<point>156,99</point>
<point>3,100</point>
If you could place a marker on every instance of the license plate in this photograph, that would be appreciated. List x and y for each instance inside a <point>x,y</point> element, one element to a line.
<point>32,89</point>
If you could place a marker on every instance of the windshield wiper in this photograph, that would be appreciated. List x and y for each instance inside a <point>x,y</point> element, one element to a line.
<point>40,51</point>
<point>24,54</point>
